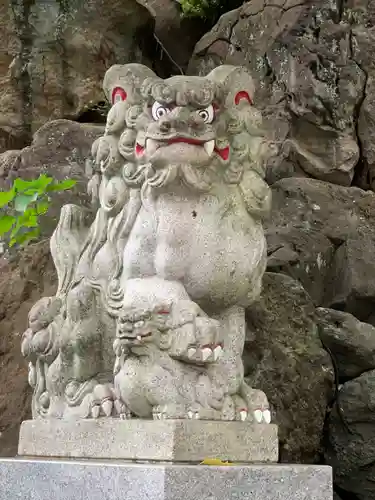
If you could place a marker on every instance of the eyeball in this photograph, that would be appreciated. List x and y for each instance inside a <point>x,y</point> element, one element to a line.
<point>207,114</point>
<point>158,110</point>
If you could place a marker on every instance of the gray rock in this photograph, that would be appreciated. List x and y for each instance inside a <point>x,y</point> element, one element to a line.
<point>350,443</point>
<point>285,358</point>
<point>323,235</point>
<point>43,480</point>
<point>351,342</point>
<point>311,79</point>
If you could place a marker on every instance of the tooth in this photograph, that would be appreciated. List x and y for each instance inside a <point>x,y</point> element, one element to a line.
<point>191,352</point>
<point>206,353</point>
<point>267,416</point>
<point>95,411</point>
<point>196,415</point>
<point>190,414</point>
<point>243,415</point>
<point>209,147</point>
<point>107,407</point>
<point>258,415</point>
<point>218,351</point>
<point>139,337</point>
<point>151,146</point>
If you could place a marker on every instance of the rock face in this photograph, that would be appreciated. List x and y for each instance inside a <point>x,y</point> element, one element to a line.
<point>54,57</point>
<point>350,444</point>
<point>314,64</point>
<point>285,358</point>
<point>351,342</point>
<point>323,235</point>
<point>22,282</point>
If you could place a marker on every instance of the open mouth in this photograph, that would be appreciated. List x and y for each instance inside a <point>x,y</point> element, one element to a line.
<point>209,146</point>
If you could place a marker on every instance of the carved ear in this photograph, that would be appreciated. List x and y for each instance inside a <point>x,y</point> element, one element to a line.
<point>124,82</point>
<point>237,84</point>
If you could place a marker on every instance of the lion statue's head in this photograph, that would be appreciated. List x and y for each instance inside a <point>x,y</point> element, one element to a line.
<point>187,129</point>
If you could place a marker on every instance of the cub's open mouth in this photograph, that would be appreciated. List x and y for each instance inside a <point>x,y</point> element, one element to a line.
<point>209,146</point>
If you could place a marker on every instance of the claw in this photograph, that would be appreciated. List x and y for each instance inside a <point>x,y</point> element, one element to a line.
<point>191,352</point>
<point>267,416</point>
<point>218,351</point>
<point>206,353</point>
<point>107,407</point>
<point>258,415</point>
<point>118,406</point>
<point>95,411</point>
<point>243,415</point>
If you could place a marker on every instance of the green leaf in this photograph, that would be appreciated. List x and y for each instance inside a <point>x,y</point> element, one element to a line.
<point>42,207</point>
<point>62,186</point>
<point>25,238</point>
<point>6,197</point>
<point>22,201</point>
<point>6,223</point>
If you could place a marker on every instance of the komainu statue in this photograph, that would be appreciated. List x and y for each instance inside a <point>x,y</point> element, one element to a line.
<point>149,317</point>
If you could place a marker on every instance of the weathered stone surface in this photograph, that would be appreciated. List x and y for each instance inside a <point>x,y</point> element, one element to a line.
<point>350,444</point>
<point>351,342</point>
<point>55,55</point>
<point>140,439</point>
<point>312,79</point>
<point>323,235</point>
<point>285,358</point>
<point>42,480</point>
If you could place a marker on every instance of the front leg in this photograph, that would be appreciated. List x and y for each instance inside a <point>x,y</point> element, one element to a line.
<point>230,365</point>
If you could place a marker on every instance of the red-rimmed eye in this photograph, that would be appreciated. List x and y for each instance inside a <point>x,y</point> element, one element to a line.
<point>242,95</point>
<point>118,94</point>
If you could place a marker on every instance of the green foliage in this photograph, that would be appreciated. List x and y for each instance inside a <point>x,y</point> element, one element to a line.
<point>21,206</point>
<point>207,9</point>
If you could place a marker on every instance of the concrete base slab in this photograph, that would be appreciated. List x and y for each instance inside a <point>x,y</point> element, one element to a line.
<point>73,480</point>
<point>156,440</point>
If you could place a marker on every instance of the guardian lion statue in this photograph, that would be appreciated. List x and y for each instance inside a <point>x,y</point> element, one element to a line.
<point>149,317</point>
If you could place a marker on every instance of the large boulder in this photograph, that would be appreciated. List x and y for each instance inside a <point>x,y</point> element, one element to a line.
<point>351,342</point>
<point>313,65</point>
<point>350,444</point>
<point>284,357</point>
<point>55,54</point>
<point>323,235</point>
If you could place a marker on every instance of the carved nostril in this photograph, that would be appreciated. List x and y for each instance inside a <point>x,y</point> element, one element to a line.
<point>165,126</point>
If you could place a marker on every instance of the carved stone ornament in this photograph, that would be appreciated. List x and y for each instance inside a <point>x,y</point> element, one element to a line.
<point>148,320</point>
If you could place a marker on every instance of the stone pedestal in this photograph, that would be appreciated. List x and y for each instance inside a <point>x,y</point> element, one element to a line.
<point>114,480</point>
<point>156,440</point>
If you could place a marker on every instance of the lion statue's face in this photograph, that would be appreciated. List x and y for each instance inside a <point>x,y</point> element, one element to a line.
<point>189,130</point>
